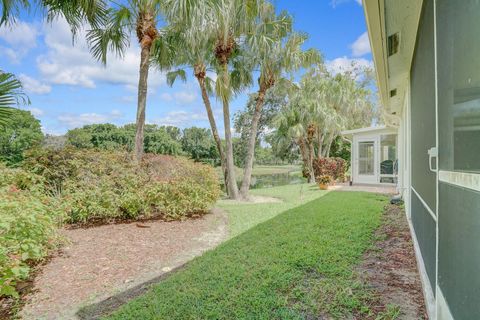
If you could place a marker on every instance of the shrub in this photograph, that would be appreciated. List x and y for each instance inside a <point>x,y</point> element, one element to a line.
<point>27,227</point>
<point>181,187</point>
<point>333,167</point>
<point>104,185</point>
<point>325,179</point>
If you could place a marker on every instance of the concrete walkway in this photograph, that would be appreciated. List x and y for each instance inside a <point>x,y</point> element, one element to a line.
<point>375,188</point>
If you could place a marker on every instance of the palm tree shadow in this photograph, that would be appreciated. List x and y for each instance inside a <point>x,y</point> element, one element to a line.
<point>107,306</point>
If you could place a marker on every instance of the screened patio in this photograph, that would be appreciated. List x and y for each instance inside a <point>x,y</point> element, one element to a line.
<point>374,155</point>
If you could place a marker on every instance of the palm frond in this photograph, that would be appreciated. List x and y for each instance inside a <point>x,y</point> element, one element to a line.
<point>173,75</point>
<point>111,36</point>
<point>11,95</point>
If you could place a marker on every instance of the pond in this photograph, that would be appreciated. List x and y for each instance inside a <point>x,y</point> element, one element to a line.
<point>277,179</point>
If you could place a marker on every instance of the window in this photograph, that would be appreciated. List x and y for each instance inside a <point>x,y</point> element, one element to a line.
<point>388,158</point>
<point>366,158</point>
<point>458,71</point>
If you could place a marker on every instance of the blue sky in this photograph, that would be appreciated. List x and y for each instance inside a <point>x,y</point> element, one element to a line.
<point>69,89</point>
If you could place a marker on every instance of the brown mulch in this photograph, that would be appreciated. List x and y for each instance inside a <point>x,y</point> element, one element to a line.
<point>99,262</point>
<point>390,268</point>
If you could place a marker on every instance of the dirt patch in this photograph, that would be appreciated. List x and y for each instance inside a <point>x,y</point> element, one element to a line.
<point>254,199</point>
<point>101,262</point>
<point>390,270</point>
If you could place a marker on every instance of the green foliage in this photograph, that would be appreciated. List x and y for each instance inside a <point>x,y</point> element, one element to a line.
<point>106,186</point>
<point>324,179</point>
<point>159,140</point>
<point>274,100</point>
<point>341,149</point>
<point>21,133</point>
<point>299,264</point>
<point>198,144</point>
<point>27,227</point>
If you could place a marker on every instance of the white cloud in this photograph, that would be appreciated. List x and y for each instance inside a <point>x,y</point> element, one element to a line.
<point>71,120</point>
<point>180,118</point>
<point>335,3</point>
<point>166,97</point>
<point>127,99</point>
<point>73,65</point>
<point>184,97</point>
<point>32,85</point>
<point>344,64</point>
<point>361,46</point>
<point>20,38</point>
<point>36,111</point>
<point>21,34</point>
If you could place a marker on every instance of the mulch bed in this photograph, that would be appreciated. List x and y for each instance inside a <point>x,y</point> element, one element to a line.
<point>100,261</point>
<point>389,269</point>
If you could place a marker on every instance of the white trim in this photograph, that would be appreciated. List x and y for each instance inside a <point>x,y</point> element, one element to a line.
<point>368,129</point>
<point>443,311</point>
<point>461,179</point>
<point>425,204</point>
<point>430,302</point>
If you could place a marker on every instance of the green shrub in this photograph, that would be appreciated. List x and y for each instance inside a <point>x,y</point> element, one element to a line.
<point>105,185</point>
<point>27,232</point>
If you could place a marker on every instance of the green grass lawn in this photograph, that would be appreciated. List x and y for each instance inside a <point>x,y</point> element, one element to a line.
<point>243,216</point>
<point>299,264</point>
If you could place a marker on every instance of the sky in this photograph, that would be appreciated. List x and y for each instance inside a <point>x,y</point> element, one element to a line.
<point>69,89</point>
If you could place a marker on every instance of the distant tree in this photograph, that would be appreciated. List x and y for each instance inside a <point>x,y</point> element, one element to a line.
<point>198,143</point>
<point>273,102</point>
<point>159,140</point>
<point>21,133</point>
<point>54,142</point>
<point>340,149</point>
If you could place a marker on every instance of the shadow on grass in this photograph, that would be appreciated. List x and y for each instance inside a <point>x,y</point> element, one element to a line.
<point>110,304</point>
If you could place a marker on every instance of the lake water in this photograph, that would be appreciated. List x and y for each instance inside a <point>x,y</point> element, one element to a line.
<point>278,179</point>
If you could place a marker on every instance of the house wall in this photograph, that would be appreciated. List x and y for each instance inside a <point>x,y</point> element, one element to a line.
<point>443,111</point>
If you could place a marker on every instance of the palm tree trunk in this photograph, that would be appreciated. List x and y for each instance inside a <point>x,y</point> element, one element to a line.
<point>213,125</point>
<point>307,158</point>
<point>329,145</point>
<point>232,187</point>
<point>142,100</point>
<point>311,155</point>
<point>320,144</point>
<point>247,173</point>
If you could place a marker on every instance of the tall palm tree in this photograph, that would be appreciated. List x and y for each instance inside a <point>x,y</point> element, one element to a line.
<point>283,55</point>
<point>234,20</point>
<point>194,51</point>
<point>140,17</point>
<point>11,94</point>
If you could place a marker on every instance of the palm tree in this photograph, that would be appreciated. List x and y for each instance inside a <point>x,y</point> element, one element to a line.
<point>274,59</point>
<point>232,21</point>
<point>194,51</point>
<point>75,12</point>
<point>139,17</point>
<point>11,94</point>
